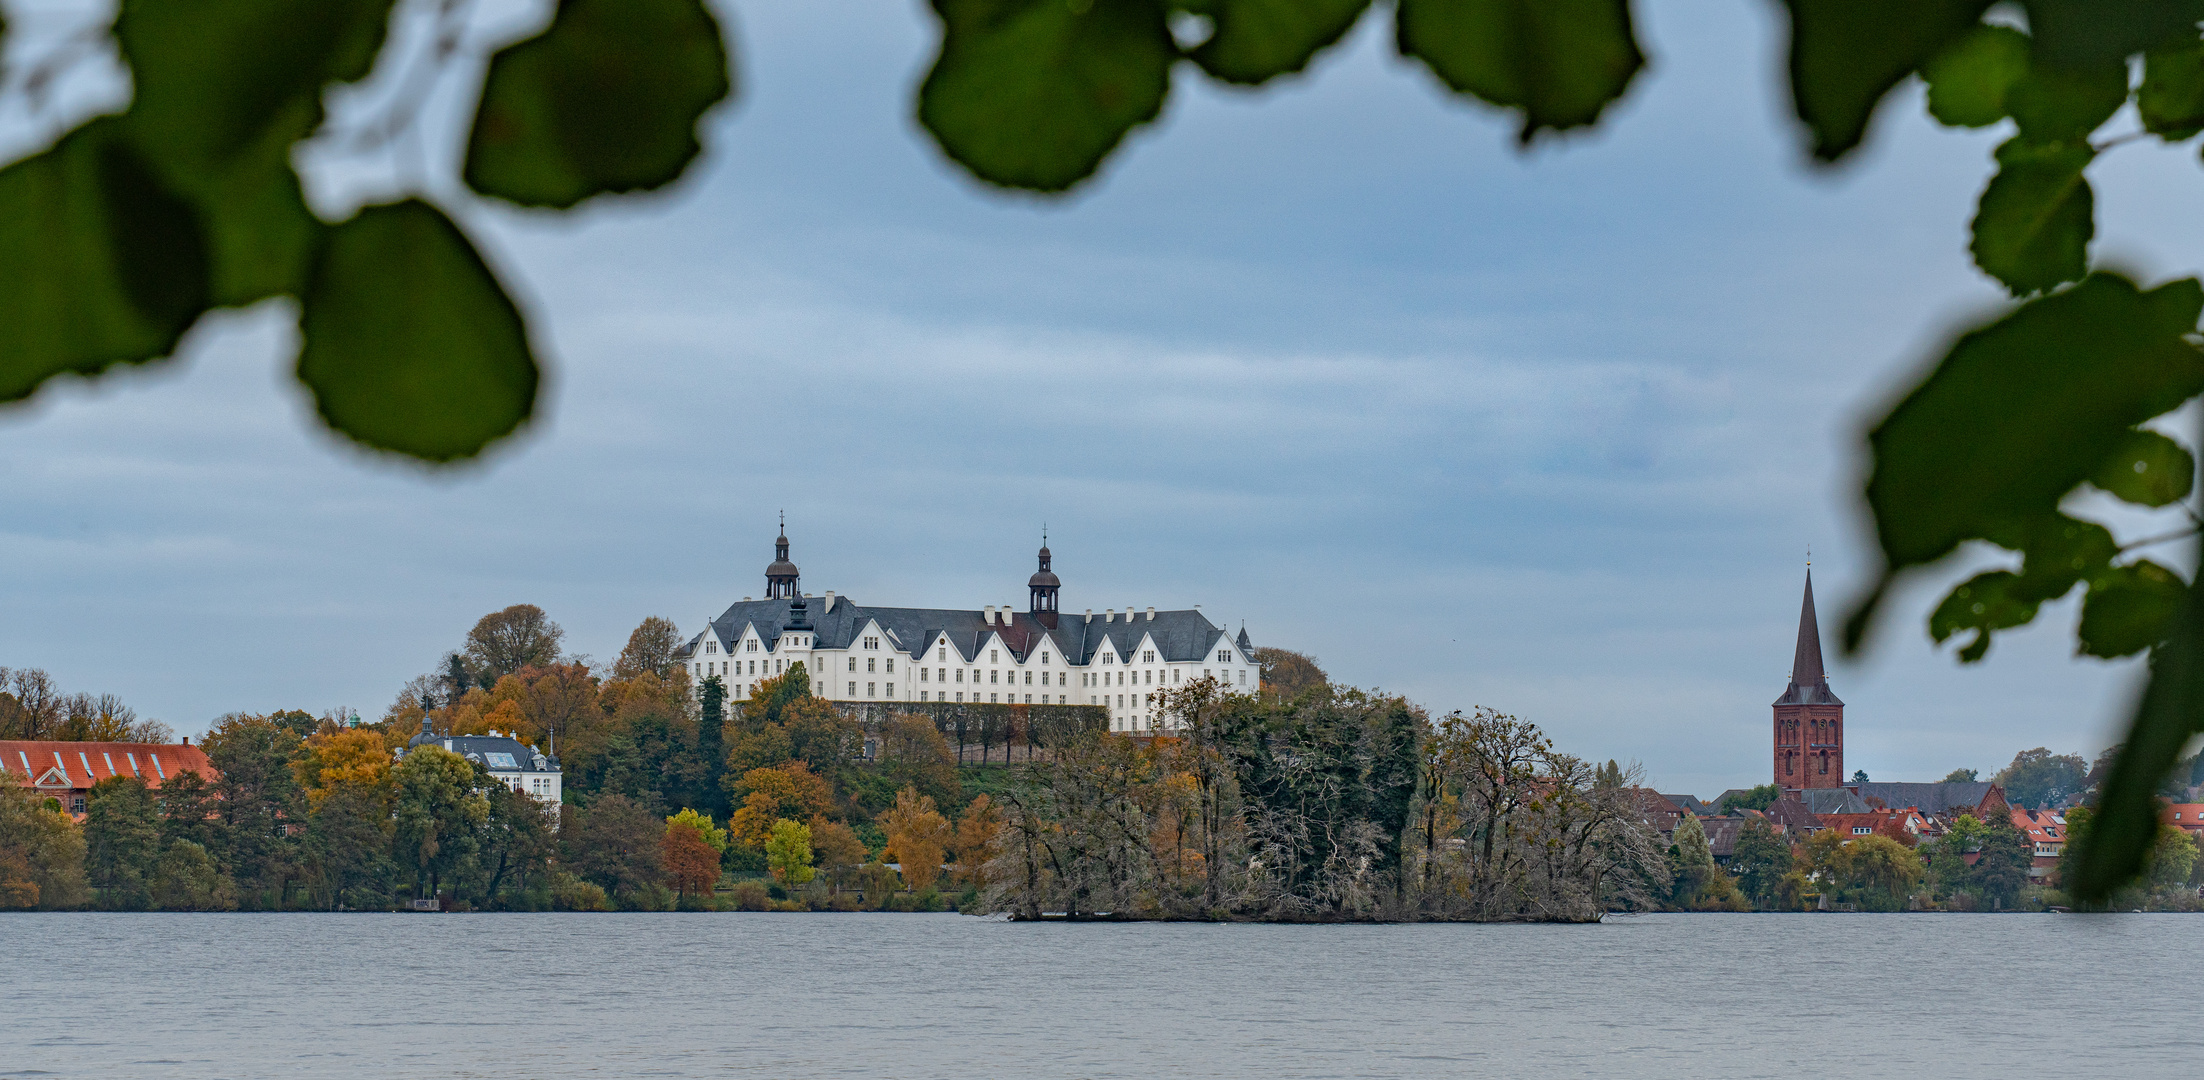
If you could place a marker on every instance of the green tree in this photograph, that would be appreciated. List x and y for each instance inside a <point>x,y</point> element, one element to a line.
<point>2039,779</point>
<point>348,846</point>
<point>189,880</point>
<point>711,744</point>
<point>615,843</point>
<point>1859,776</point>
<point>1690,862</point>
<point>1762,857</point>
<point>122,843</point>
<point>1960,776</point>
<point>519,843</point>
<point>1880,873</point>
<point>257,798</point>
<point>2001,871</point>
<point>788,852</point>
<point>188,812</point>
<point>2172,858</point>
<point>437,809</point>
<point>1758,798</point>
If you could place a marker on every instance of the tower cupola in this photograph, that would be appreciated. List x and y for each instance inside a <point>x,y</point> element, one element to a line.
<point>1044,586</point>
<point>781,578</point>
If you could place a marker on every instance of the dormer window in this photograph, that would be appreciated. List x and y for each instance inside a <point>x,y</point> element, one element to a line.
<point>994,656</point>
<point>943,654</point>
<point>1044,658</point>
<point>711,646</point>
<point>872,643</point>
<point>1149,656</point>
<point>1224,656</point>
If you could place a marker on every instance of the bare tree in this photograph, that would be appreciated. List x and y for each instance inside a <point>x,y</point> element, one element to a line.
<point>1286,673</point>
<point>35,709</point>
<point>504,642</point>
<point>649,649</point>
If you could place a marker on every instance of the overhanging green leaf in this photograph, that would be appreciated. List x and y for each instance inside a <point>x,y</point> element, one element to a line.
<point>1847,54</point>
<point>1984,603</point>
<point>1257,40</point>
<point>2081,33</point>
<point>2021,411</point>
<point>411,344</point>
<point>1968,81</point>
<point>2147,468</point>
<point>2060,104</point>
<point>102,264</point>
<point>1035,93</point>
<point>2171,711</point>
<point>2129,609</point>
<point>607,99</point>
<point>223,90</point>
<point>2033,225</point>
<point>2171,99</point>
<point>1559,63</point>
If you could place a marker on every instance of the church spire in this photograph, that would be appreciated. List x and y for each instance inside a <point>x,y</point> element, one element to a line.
<point>1806,668</point>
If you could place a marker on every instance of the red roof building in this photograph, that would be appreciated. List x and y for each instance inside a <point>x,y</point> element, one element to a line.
<point>2046,830</point>
<point>2187,817</point>
<point>67,770</point>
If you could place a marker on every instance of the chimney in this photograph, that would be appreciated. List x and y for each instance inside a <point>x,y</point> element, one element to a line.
<point>1109,614</point>
<point>987,614</point>
<point>187,740</point>
<point>829,609</point>
<point>1090,614</point>
<point>1151,614</point>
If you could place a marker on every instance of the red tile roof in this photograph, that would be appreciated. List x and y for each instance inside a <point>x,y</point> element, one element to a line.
<point>78,765</point>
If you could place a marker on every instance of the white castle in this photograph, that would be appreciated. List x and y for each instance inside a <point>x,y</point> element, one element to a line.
<point>1034,657</point>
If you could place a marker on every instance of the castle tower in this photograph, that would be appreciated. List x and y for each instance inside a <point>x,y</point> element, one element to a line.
<point>781,579</point>
<point>1044,585</point>
<point>1809,720</point>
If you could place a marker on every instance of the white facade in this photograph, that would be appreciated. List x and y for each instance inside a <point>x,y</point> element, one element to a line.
<point>991,655</point>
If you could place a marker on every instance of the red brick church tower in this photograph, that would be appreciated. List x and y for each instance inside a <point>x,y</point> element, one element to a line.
<point>1809,720</point>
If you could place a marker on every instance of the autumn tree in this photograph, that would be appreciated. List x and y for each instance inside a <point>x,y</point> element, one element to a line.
<point>917,836</point>
<point>691,850</point>
<point>788,852</point>
<point>650,648</point>
<point>504,642</point>
<point>913,754</point>
<point>974,842</point>
<point>787,791</point>
<point>41,851</point>
<point>839,850</point>
<point>353,759</point>
<point>1286,673</point>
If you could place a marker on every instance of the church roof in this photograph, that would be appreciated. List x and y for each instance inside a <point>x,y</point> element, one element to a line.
<point>1809,683</point>
<point>1927,798</point>
<point>1178,635</point>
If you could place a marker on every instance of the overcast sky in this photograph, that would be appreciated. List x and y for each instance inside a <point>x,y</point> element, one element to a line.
<point>1547,432</point>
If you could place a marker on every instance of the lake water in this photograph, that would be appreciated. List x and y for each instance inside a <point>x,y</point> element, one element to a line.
<point>1943,996</point>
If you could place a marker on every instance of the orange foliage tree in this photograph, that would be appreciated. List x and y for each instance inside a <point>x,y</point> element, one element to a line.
<point>917,834</point>
<point>691,850</point>
<point>787,791</point>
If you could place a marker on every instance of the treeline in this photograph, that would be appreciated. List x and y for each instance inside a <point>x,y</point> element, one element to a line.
<point>319,813</point>
<point>1331,804</point>
<point>33,707</point>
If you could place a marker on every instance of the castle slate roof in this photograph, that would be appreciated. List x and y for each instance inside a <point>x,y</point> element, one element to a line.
<point>1178,635</point>
<point>498,753</point>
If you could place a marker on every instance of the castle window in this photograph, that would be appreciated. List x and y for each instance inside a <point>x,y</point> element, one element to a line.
<point>1224,656</point>
<point>711,646</point>
<point>994,656</point>
<point>960,678</point>
<point>871,664</point>
<point>868,689</point>
<point>922,695</point>
<point>853,667</point>
<point>1044,658</point>
<point>853,690</point>
<point>943,654</point>
<point>992,675</point>
<point>753,645</point>
<point>922,673</point>
<point>891,665</point>
<point>960,695</point>
<point>1149,656</point>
